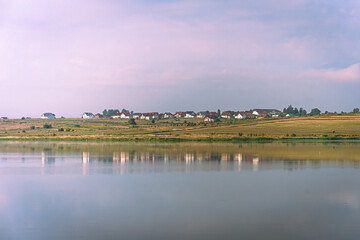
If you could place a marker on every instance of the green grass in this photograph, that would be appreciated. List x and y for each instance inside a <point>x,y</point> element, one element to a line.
<point>346,127</point>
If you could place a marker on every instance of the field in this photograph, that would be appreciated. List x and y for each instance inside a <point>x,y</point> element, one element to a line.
<point>346,126</point>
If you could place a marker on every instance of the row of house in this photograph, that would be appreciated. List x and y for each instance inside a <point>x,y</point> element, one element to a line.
<point>256,113</point>
<point>206,115</point>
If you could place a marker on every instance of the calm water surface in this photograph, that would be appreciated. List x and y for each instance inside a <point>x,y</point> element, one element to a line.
<point>179,191</point>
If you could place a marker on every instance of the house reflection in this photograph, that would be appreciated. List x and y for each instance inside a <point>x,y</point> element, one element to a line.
<point>222,161</point>
<point>255,162</point>
<point>85,158</point>
<point>47,158</point>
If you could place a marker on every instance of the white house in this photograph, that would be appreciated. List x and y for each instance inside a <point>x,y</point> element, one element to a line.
<point>136,115</point>
<point>125,115</point>
<point>168,115</point>
<point>202,114</point>
<point>48,115</point>
<point>190,114</point>
<point>116,115</point>
<point>226,115</point>
<point>87,115</point>
<point>149,116</point>
<point>209,119</point>
<point>266,112</point>
<point>240,115</point>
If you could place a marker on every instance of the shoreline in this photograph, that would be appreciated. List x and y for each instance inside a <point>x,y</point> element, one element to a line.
<point>297,129</point>
<point>178,140</point>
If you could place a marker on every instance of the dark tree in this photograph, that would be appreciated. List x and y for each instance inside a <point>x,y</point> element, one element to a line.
<point>110,112</point>
<point>356,110</point>
<point>315,111</point>
<point>302,112</point>
<point>296,111</point>
<point>131,121</point>
<point>289,110</point>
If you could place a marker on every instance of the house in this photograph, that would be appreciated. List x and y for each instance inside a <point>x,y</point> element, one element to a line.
<point>261,114</point>
<point>212,115</point>
<point>240,115</point>
<point>168,115</point>
<point>269,112</point>
<point>48,116</point>
<point>136,115</point>
<point>180,114</point>
<point>149,116</point>
<point>154,115</point>
<point>249,115</point>
<point>202,114</point>
<point>87,115</point>
<point>98,115</point>
<point>125,115</point>
<point>116,115</point>
<point>189,114</point>
<point>226,115</point>
<point>209,119</point>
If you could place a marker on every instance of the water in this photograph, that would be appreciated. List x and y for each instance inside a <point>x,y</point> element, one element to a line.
<point>179,191</point>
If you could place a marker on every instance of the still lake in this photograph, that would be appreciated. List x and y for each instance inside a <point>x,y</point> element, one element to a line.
<point>179,191</point>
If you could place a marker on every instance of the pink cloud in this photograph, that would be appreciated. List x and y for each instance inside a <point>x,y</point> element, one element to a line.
<point>349,74</point>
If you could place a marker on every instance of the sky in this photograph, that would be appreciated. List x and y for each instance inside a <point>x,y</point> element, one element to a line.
<point>70,57</point>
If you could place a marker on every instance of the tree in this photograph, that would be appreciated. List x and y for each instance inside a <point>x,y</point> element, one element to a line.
<point>131,121</point>
<point>125,110</point>
<point>289,110</point>
<point>315,111</point>
<point>356,110</point>
<point>110,112</point>
<point>218,112</point>
<point>296,111</point>
<point>302,112</point>
<point>47,125</point>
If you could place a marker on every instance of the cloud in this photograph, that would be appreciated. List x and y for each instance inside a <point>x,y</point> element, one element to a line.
<point>66,52</point>
<point>345,75</point>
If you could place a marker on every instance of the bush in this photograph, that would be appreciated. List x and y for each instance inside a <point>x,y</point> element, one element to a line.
<point>68,129</point>
<point>47,125</point>
<point>293,135</point>
<point>61,129</point>
<point>32,127</point>
<point>240,134</point>
<point>131,121</point>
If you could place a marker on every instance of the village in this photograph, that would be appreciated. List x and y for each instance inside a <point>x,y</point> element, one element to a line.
<point>206,115</point>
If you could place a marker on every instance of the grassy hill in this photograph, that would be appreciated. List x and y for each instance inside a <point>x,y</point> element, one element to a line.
<point>309,127</point>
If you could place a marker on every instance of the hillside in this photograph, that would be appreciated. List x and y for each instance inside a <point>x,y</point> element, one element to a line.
<point>309,127</point>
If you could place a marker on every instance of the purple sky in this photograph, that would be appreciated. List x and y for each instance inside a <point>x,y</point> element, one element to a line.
<point>68,57</point>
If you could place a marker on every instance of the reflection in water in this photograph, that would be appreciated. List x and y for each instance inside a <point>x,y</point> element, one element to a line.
<point>47,158</point>
<point>179,191</point>
<point>152,160</point>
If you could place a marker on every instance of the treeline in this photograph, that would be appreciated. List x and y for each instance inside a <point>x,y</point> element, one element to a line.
<point>111,112</point>
<point>302,112</point>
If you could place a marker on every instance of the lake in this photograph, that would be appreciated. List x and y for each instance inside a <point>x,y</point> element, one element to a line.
<point>179,191</point>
